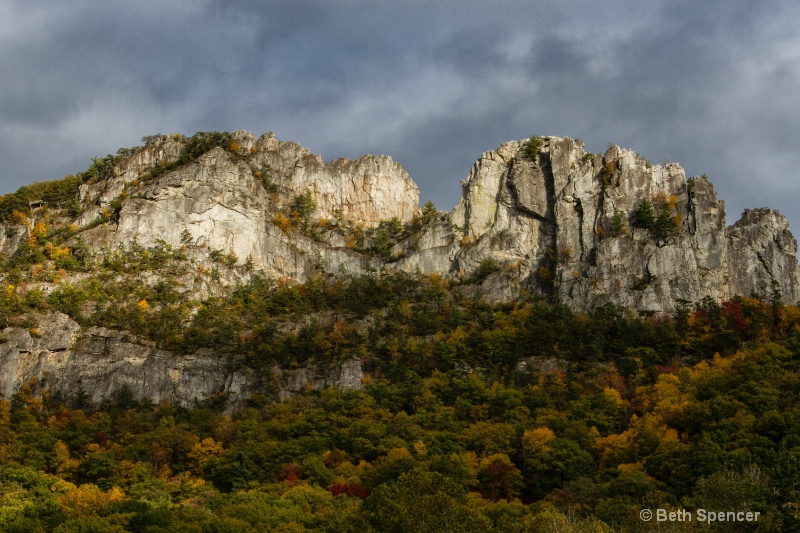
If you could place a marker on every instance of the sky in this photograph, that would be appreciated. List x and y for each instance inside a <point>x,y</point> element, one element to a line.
<point>713,85</point>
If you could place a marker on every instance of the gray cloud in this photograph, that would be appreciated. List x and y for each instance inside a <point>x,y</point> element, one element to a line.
<point>714,86</point>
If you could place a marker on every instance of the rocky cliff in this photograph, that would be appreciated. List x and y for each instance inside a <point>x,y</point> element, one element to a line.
<point>539,216</point>
<point>97,362</point>
<point>234,202</point>
<point>564,223</point>
<point>561,223</point>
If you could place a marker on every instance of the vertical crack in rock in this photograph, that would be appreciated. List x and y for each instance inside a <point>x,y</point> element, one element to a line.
<point>579,212</point>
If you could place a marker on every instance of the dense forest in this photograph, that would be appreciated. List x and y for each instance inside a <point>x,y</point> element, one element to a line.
<point>523,417</point>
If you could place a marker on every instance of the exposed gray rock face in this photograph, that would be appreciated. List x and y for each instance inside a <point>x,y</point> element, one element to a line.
<point>763,235</point>
<point>366,191</point>
<point>225,204</point>
<point>100,361</point>
<point>162,150</point>
<point>11,235</point>
<point>344,376</point>
<point>562,225</point>
<point>549,224</point>
<point>433,251</point>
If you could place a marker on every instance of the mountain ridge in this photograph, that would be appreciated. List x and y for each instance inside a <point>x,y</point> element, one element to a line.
<point>146,240</point>
<point>564,218</point>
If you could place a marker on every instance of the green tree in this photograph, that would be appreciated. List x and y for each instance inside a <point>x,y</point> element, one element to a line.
<point>428,212</point>
<point>423,502</point>
<point>617,224</point>
<point>486,268</point>
<point>549,464</point>
<point>644,216</point>
<point>533,147</point>
<point>664,224</point>
<point>303,205</point>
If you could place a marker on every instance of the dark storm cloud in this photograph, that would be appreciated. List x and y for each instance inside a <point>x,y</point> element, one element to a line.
<point>714,86</point>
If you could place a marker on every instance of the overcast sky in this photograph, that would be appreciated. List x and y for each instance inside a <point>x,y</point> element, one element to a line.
<point>712,85</point>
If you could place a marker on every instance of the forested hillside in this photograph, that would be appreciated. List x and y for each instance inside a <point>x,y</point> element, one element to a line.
<point>519,417</point>
<point>226,334</point>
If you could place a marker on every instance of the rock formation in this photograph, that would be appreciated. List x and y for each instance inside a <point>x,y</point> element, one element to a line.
<point>548,224</point>
<point>228,204</point>
<point>539,216</point>
<point>100,362</point>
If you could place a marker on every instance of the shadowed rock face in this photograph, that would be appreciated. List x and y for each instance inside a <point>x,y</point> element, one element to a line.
<point>562,224</point>
<point>762,254</point>
<point>99,361</point>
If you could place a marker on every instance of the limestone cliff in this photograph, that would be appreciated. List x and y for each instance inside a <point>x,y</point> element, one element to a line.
<point>546,222</point>
<point>539,216</point>
<point>65,358</point>
<point>230,202</point>
<point>563,223</point>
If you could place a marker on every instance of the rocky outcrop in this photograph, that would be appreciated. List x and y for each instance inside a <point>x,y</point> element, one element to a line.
<point>228,204</point>
<point>344,376</point>
<point>61,356</point>
<point>564,224</point>
<point>160,150</point>
<point>762,255</point>
<point>561,222</point>
<point>11,236</point>
<point>366,191</point>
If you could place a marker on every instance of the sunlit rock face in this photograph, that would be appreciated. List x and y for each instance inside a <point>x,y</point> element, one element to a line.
<point>228,204</point>
<point>554,220</point>
<point>561,223</point>
<point>367,190</point>
<point>549,224</point>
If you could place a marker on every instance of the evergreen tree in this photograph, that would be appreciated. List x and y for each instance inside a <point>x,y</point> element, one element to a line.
<point>617,224</point>
<point>644,216</point>
<point>664,225</point>
<point>533,148</point>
